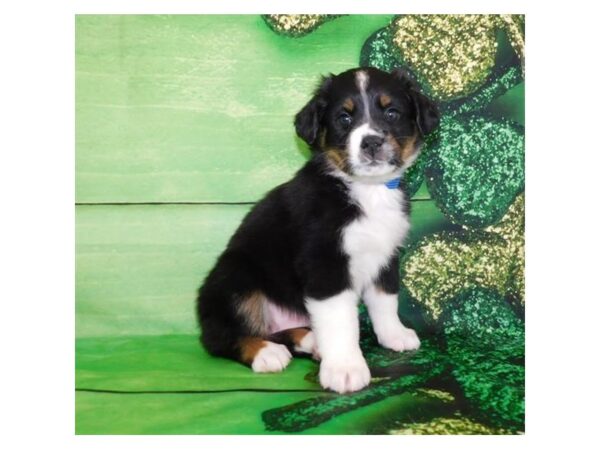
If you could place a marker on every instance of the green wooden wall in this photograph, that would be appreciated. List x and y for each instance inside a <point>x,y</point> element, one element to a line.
<point>197,108</point>
<point>182,122</point>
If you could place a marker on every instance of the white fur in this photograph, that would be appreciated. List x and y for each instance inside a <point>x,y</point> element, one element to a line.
<point>371,240</point>
<point>354,151</point>
<point>271,358</point>
<point>360,132</point>
<point>383,311</point>
<point>335,324</point>
<point>362,81</point>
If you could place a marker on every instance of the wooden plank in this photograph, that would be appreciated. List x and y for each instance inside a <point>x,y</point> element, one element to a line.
<point>138,267</point>
<point>223,413</point>
<point>240,413</point>
<point>196,108</point>
<point>149,363</point>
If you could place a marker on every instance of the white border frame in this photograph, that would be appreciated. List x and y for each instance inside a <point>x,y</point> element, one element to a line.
<point>38,223</point>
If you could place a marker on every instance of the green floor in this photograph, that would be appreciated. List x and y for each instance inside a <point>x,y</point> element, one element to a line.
<point>182,122</point>
<point>180,389</point>
<point>168,385</point>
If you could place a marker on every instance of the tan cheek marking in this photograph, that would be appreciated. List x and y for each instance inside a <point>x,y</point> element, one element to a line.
<point>253,310</point>
<point>408,149</point>
<point>348,105</point>
<point>249,348</point>
<point>396,145</point>
<point>385,100</point>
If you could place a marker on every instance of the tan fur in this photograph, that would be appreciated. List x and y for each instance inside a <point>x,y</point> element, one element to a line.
<point>297,334</point>
<point>404,150</point>
<point>249,347</point>
<point>322,136</point>
<point>337,157</point>
<point>385,100</point>
<point>408,149</point>
<point>253,309</point>
<point>348,105</point>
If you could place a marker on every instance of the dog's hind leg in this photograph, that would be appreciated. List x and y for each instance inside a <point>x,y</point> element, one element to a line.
<point>228,339</point>
<point>299,341</point>
<point>263,355</point>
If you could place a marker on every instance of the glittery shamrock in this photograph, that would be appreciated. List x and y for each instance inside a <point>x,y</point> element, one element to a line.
<point>394,373</point>
<point>296,25</point>
<point>452,55</point>
<point>464,280</point>
<point>443,264</point>
<point>476,168</point>
<point>486,347</point>
<point>496,76</point>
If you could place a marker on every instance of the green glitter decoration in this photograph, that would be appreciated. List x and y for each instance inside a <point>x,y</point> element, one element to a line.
<point>476,168</point>
<point>378,52</point>
<point>392,373</point>
<point>426,364</point>
<point>500,82</point>
<point>414,176</point>
<point>443,376</point>
<point>449,425</point>
<point>486,345</point>
<point>480,315</point>
<point>512,229</point>
<point>441,265</point>
<point>296,25</point>
<point>451,55</point>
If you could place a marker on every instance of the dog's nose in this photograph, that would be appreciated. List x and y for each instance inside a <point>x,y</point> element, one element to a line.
<point>371,144</point>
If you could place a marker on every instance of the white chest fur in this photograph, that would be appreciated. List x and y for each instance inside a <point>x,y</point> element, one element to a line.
<point>370,240</point>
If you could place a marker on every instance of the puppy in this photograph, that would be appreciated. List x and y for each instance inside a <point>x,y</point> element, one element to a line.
<point>292,275</point>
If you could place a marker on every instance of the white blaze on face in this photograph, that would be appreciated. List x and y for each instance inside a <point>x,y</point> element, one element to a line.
<point>365,129</point>
<point>355,140</point>
<point>362,81</point>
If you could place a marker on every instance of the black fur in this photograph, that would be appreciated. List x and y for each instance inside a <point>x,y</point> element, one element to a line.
<point>289,246</point>
<point>427,116</point>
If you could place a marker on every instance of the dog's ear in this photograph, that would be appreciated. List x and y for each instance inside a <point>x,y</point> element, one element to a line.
<point>427,113</point>
<point>308,120</point>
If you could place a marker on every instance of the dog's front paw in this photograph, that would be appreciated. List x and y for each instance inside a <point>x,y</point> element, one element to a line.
<point>348,375</point>
<point>271,358</point>
<point>399,339</point>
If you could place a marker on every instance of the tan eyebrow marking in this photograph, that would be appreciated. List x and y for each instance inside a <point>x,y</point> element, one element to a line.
<point>385,100</point>
<point>348,105</point>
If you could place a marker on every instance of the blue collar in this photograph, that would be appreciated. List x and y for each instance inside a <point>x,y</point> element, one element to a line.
<point>393,183</point>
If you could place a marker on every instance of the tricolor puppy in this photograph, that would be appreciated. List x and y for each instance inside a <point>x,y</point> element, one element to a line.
<point>291,277</point>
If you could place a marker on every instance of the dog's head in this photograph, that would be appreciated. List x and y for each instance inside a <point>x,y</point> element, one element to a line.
<point>370,124</point>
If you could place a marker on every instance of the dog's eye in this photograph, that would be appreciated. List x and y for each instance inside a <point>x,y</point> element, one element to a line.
<point>391,114</point>
<point>345,120</point>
